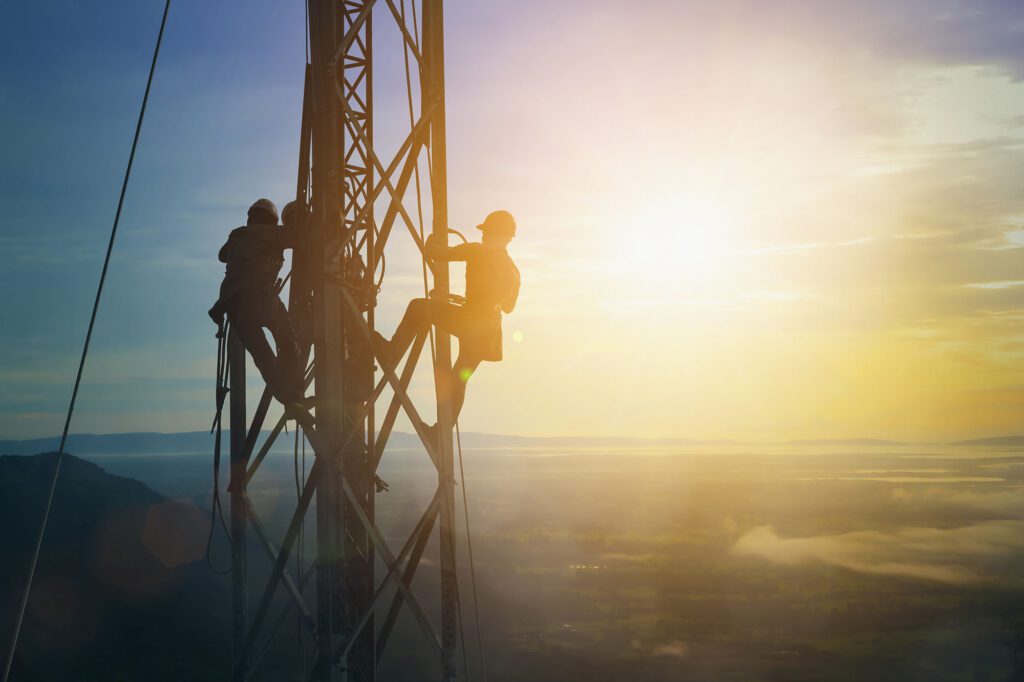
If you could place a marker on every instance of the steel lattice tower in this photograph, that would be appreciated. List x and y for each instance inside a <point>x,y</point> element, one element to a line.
<point>355,203</point>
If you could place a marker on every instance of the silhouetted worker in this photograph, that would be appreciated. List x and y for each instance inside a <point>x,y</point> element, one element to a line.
<point>492,287</point>
<point>253,255</point>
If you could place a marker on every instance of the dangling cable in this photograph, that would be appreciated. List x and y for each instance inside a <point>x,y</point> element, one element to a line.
<point>416,168</point>
<point>472,563</point>
<point>216,508</point>
<point>85,351</point>
<point>298,554</point>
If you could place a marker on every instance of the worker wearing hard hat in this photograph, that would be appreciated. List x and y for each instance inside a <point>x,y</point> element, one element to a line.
<point>492,287</point>
<point>253,255</point>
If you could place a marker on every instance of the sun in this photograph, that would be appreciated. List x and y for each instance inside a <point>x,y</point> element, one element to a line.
<point>677,246</point>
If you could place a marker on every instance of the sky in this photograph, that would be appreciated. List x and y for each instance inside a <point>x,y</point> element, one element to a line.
<point>737,220</point>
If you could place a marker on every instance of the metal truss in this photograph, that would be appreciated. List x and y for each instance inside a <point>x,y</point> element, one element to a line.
<point>352,208</point>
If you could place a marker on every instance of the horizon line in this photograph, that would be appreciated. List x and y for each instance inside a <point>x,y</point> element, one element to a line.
<point>862,440</point>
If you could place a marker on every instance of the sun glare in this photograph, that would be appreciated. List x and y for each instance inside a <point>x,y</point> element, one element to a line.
<point>680,244</point>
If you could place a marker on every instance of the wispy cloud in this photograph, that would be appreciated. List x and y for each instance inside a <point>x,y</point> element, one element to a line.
<point>952,555</point>
<point>1005,284</point>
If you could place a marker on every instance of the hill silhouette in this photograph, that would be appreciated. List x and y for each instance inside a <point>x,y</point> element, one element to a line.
<point>121,591</point>
<point>1001,441</point>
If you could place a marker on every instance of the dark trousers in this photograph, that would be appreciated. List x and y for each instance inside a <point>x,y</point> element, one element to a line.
<point>250,311</point>
<point>475,332</point>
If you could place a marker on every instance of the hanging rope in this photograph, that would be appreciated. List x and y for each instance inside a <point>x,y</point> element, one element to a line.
<point>472,562</point>
<point>85,351</point>
<point>299,480</point>
<point>416,168</point>
<point>216,508</point>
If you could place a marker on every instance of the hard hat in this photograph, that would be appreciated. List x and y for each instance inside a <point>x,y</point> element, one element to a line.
<point>499,222</point>
<point>265,205</point>
<point>292,212</point>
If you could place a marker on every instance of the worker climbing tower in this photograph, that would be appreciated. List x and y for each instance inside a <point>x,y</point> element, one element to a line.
<point>350,200</point>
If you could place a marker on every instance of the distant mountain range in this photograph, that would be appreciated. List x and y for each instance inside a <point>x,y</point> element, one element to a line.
<point>200,441</point>
<point>1003,441</point>
<point>846,441</point>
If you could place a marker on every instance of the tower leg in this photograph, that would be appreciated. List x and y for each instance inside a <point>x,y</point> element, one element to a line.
<point>239,457</point>
<point>433,55</point>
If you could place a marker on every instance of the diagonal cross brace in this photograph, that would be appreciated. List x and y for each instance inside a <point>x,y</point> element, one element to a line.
<point>396,386</point>
<point>400,20</point>
<point>293,589</point>
<point>407,575</point>
<point>350,36</point>
<point>310,487</point>
<point>385,180</point>
<point>279,566</point>
<point>294,527</point>
<point>274,433</point>
<point>410,151</point>
<point>389,558</point>
<point>281,617</point>
<point>392,414</point>
<point>425,523</point>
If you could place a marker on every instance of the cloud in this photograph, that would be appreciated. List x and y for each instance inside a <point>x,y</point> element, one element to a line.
<point>675,649</point>
<point>951,555</point>
<point>944,32</point>
<point>1004,502</point>
<point>672,649</point>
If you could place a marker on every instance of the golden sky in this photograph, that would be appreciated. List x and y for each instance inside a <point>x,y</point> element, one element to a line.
<point>738,219</point>
<point>756,230</point>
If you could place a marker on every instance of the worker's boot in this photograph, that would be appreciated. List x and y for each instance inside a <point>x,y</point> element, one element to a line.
<point>299,411</point>
<point>382,347</point>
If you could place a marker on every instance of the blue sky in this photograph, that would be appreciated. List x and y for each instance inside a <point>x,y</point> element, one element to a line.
<point>892,119</point>
<point>73,75</point>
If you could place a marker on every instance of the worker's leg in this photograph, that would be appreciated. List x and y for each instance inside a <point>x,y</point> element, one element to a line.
<point>416,317</point>
<point>451,386</point>
<point>455,383</point>
<point>421,313</point>
<point>247,318</point>
<point>289,363</point>
<point>253,311</point>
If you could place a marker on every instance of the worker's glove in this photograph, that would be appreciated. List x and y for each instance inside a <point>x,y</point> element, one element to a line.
<point>436,241</point>
<point>216,314</point>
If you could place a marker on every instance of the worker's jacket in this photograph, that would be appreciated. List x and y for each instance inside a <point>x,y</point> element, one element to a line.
<point>492,287</point>
<point>253,255</point>
<point>492,279</point>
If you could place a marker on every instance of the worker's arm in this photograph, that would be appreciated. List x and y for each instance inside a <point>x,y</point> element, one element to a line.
<point>225,251</point>
<point>437,250</point>
<point>288,236</point>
